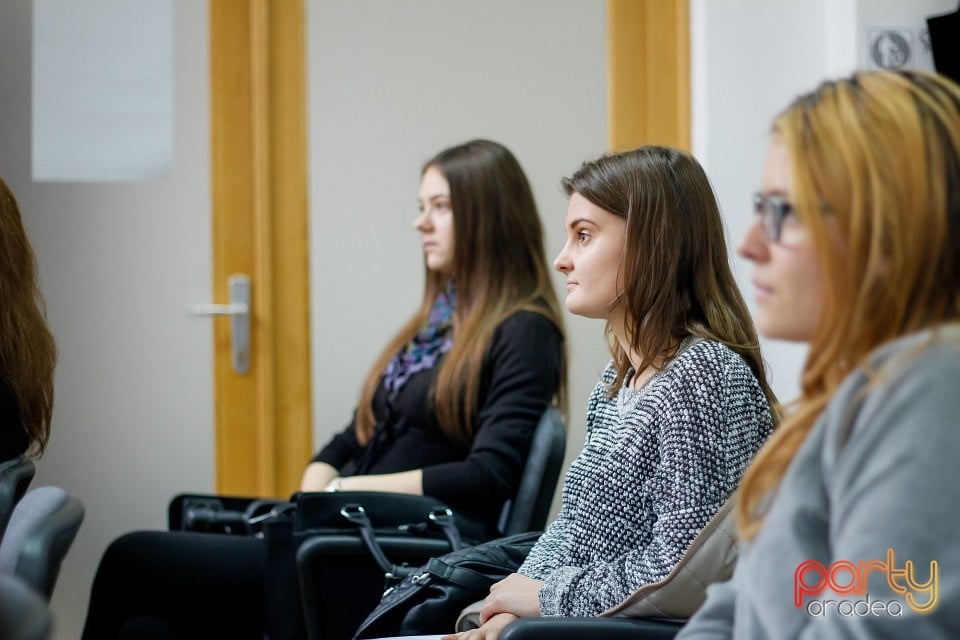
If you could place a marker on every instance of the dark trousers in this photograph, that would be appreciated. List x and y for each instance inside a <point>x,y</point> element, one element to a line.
<point>154,585</point>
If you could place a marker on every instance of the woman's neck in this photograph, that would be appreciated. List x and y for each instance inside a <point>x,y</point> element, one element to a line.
<point>619,330</point>
<point>641,374</point>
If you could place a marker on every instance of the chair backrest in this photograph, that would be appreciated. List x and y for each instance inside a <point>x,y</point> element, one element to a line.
<point>710,558</point>
<point>15,476</point>
<point>41,530</point>
<point>529,509</point>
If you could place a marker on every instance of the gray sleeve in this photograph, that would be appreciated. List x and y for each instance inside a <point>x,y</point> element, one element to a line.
<point>714,619</point>
<point>541,560</point>
<point>889,489</point>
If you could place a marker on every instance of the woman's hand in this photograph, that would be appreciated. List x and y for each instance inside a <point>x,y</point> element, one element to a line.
<point>410,482</point>
<point>320,476</point>
<point>317,476</point>
<point>490,630</point>
<point>516,594</point>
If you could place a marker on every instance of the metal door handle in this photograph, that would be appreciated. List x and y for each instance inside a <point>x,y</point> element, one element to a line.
<point>239,311</point>
<point>219,309</point>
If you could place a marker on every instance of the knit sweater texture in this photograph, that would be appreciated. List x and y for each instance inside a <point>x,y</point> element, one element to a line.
<point>658,463</point>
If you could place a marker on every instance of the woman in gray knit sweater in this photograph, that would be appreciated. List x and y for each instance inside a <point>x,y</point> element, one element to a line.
<point>681,408</point>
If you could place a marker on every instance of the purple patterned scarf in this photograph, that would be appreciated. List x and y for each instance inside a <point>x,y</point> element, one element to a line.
<point>431,342</point>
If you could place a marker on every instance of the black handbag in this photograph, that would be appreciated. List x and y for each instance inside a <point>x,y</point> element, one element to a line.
<point>429,600</point>
<point>367,514</point>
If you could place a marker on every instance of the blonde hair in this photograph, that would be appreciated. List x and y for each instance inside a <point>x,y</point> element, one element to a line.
<point>876,162</point>
<point>499,268</point>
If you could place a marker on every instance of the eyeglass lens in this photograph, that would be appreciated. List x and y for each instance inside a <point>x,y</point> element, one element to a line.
<point>773,210</point>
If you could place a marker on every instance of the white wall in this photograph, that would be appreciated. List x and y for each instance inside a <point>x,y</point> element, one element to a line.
<point>750,58</point>
<point>121,264</point>
<point>392,83</point>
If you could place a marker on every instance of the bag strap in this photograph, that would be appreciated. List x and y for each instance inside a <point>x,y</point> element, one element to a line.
<point>443,518</point>
<point>356,514</point>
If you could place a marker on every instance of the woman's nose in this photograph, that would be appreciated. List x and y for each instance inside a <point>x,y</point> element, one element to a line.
<point>422,221</point>
<point>562,263</point>
<point>754,245</point>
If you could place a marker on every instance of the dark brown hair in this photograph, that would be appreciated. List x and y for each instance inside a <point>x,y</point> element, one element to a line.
<point>27,349</point>
<point>677,280</point>
<point>499,268</point>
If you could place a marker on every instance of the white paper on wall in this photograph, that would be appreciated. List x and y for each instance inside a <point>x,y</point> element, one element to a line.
<point>102,90</point>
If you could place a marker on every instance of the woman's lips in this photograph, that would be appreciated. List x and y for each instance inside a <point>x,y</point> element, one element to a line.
<point>761,291</point>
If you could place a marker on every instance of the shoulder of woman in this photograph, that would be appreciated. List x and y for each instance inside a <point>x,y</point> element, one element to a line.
<point>527,323</point>
<point>928,350</point>
<point>905,395</point>
<point>711,368</point>
<point>709,355</point>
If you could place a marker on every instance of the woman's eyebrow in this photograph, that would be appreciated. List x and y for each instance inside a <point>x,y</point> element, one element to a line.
<point>431,198</point>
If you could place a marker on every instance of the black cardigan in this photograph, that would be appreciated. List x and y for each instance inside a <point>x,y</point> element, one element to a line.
<point>13,437</point>
<point>520,377</point>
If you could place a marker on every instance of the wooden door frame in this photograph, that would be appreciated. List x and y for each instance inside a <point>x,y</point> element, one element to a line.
<point>259,215</point>
<point>648,73</point>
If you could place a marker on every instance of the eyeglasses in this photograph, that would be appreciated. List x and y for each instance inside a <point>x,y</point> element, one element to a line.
<point>774,210</point>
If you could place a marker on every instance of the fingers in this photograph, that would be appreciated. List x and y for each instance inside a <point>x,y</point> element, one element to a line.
<point>487,611</point>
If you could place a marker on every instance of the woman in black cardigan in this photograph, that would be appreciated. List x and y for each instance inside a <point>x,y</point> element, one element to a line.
<point>448,409</point>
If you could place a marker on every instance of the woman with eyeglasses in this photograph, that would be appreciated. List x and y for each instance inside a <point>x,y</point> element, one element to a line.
<point>848,516</point>
<point>679,411</point>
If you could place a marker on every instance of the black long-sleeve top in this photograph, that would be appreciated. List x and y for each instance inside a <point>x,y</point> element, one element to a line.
<point>520,376</point>
<point>14,440</point>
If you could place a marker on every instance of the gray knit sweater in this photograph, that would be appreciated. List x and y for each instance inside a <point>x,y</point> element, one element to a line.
<point>657,465</point>
<point>876,473</point>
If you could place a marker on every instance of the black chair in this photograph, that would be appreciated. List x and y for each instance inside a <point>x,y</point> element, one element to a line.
<point>42,528</point>
<point>577,628</point>
<point>15,477</point>
<point>529,509</point>
<point>341,583</point>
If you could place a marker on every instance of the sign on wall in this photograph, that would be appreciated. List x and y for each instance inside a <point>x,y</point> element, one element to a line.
<point>898,48</point>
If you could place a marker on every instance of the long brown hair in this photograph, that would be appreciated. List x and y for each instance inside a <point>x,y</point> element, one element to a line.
<point>27,349</point>
<point>499,268</point>
<point>677,280</point>
<point>875,156</point>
